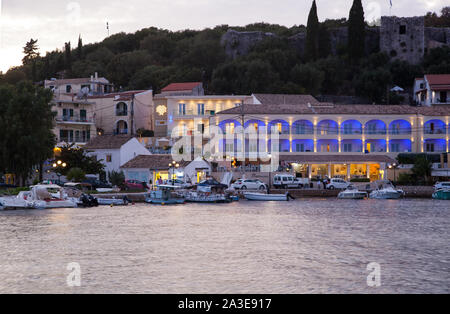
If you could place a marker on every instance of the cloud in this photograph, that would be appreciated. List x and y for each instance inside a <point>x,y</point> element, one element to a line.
<point>56,22</point>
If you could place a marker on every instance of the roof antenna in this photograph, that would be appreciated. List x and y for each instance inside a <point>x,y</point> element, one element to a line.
<point>107,27</point>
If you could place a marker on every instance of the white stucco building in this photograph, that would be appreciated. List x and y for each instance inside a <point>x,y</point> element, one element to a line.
<point>115,151</point>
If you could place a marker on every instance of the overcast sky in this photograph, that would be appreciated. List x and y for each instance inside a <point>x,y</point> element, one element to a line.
<point>55,22</point>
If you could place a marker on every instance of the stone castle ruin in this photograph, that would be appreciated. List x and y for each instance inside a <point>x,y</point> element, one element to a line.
<point>403,38</point>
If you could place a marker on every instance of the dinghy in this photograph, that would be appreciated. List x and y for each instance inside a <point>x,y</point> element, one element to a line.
<point>268,197</point>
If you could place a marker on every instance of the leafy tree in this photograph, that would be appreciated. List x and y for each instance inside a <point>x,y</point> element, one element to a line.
<point>77,158</point>
<point>373,83</point>
<point>26,139</point>
<point>356,31</point>
<point>422,169</point>
<point>312,34</point>
<point>123,66</point>
<point>308,77</point>
<point>116,178</point>
<point>31,51</point>
<point>76,175</point>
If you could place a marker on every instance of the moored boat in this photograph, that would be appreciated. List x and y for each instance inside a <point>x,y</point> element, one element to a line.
<point>442,194</point>
<point>40,197</point>
<point>386,191</point>
<point>268,197</point>
<point>164,195</point>
<point>353,193</point>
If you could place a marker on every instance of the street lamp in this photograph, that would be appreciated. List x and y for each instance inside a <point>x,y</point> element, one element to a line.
<point>394,166</point>
<point>57,166</point>
<point>172,166</point>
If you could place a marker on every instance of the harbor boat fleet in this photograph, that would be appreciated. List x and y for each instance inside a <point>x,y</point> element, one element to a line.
<point>51,196</point>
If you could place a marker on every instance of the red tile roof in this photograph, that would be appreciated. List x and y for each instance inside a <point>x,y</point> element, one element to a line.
<point>154,162</point>
<point>329,108</point>
<point>285,99</point>
<point>174,87</point>
<point>122,95</point>
<point>108,142</point>
<point>438,81</point>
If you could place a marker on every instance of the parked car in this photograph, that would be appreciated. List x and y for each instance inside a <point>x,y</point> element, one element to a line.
<point>289,181</point>
<point>338,184</point>
<point>97,184</point>
<point>135,185</point>
<point>242,184</point>
<point>51,182</point>
<point>84,187</point>
<point>442,185</point>
<point>178,183</point>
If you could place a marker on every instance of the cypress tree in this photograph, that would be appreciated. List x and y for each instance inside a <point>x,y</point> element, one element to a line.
<point>80,48</point>
<point>312,34</point>
<point>356,31</point>
<point>68,58</point>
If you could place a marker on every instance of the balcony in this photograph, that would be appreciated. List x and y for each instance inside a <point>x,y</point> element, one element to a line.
<point>74,139</point>
<point>74,119</point>
<point>435,132</point>
<point>122,113</point>
<point>120,131</point>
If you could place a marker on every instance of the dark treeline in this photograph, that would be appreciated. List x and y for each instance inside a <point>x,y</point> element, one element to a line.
<point>155,57</point>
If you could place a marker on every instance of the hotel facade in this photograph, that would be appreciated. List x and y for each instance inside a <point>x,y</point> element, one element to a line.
<point>322,139</point>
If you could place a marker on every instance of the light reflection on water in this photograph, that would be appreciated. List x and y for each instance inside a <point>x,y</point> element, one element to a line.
<point>306,246</point>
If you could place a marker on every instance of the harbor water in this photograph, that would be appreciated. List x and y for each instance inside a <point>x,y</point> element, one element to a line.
<point>304,246</point>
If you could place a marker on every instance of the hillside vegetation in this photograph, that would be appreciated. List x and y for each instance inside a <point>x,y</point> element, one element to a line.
<point>154,57</point>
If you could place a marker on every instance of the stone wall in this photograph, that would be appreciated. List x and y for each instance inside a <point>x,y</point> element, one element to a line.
<point>403,38</point>
<point>409,46</point>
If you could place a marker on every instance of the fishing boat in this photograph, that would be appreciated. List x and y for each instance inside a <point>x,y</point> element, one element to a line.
<point>442,194</point>
<point>385,190</point>
<point>164,195</point>
<point>207,194</point>
<point>352,193</point>
<point>40,197</point>
<point>268,197</point>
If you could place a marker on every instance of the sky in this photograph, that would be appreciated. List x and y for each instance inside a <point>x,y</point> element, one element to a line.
<point>54,22</point>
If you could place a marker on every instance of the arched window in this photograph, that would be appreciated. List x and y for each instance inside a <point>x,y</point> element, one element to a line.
<point>121,109</point>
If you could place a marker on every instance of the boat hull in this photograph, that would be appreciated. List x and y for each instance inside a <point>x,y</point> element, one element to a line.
<point>442,195</point>
<point>165,202</point>
<point>353,196</point>
<point>394,195</point>
<point>266,197</point>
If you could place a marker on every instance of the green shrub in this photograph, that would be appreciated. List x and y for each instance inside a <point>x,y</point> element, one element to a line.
<point>14,191</point>
<point>406,179</point>
<point>76,175</point>
<point>356,180</point>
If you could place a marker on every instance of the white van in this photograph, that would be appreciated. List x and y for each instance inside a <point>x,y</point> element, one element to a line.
<point>288,181</point>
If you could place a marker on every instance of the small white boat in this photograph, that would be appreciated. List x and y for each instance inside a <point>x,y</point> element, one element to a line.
<point>114,201</point>
<point>40,197</point>
<point>352,193</point>
<point>386,191</point>
<point>268,197</point>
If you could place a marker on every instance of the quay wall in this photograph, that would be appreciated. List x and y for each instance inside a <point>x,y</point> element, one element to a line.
<point>410,191</point>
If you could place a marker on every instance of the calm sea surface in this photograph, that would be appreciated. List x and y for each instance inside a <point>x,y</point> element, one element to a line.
<point>305,246</point>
